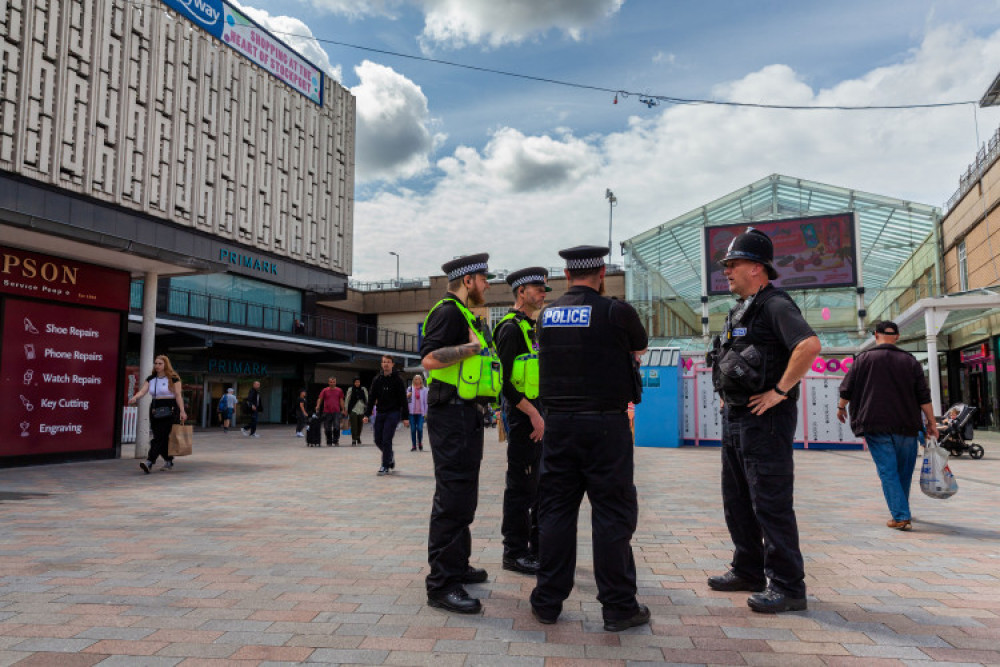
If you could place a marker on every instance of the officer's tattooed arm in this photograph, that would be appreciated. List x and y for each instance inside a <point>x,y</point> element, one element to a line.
<point>446,356</point>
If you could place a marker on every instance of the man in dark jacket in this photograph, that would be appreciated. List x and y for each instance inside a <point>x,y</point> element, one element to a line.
<point>886,390</point>
<point>388,395</point>
<point>253,405</point>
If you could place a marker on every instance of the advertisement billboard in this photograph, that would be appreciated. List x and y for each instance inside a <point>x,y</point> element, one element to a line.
<point>809,253</point>
<point>229,25</point>
<point>58,378</point>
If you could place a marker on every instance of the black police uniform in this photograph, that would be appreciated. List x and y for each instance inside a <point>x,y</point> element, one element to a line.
<point>587,379</point>
<point>455,430</point>
<point>757,467</point>
<point>519,525</point>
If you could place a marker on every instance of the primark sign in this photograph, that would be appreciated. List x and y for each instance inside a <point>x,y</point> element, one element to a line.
<point>229,25</point>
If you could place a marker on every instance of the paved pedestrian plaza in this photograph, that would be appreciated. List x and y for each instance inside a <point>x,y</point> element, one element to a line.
<point>265,552</point>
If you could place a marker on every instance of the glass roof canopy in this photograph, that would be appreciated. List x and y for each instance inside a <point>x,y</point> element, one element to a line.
<point>664,264</point>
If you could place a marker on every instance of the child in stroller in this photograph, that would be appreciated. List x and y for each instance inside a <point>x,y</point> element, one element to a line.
<point>956,431</point>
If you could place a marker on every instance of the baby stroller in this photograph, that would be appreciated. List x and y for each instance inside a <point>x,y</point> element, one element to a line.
<point>956,431</point>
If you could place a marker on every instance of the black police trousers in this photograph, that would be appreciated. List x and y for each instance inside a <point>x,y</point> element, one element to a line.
<point>456,435</point>
<point>520,497</point>
<point>757,495</point>
<point>589,454</point>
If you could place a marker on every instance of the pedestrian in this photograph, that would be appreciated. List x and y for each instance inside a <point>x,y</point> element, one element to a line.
<point>886,392</point>
<point>227,406</point>
<point>301,415</point>
<point>165,410</point>
<point>330,405</point>
<point>514,336</point>
<point>416,397</point>
<point>357,403</point>
<point>765,349</point>
<point>587,349</point>
<point>388,395</point>
<point>253,405</point>
<point>455,340</point>
<point>298,327</point>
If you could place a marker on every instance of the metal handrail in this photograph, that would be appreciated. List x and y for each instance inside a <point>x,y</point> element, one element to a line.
<point>219,310</point>
<point>985,157</point>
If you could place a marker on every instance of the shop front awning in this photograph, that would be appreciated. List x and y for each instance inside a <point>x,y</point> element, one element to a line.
<point>930,318</point>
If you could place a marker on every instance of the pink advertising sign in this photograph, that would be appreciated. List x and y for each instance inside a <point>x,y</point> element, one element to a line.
<point>57,378</point>
<point>809,253</point>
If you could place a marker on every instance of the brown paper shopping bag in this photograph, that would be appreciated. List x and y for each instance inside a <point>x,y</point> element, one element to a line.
<point>181,439</point>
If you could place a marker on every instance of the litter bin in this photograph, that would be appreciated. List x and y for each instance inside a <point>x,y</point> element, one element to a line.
<point>658,416</point>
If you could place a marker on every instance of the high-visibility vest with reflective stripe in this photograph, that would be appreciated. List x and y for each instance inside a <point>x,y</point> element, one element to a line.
<point>480,376</point>
<point>524,370</point>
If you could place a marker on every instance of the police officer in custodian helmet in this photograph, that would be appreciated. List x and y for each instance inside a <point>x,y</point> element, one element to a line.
<point>587,347</point>
<point>455,344</point>
<point>765,349</point>
<point>515,341</point>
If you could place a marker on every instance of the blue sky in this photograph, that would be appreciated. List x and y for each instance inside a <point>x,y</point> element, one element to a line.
<point>452,161</point>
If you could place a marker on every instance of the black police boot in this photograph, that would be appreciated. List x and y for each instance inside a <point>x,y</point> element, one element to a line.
<point>640,617</point>
<point>475,575</point>
<point>545,620</point>
<point>525,564</point>
<point>730,581</point>
<point>772,601</point>
<point>457,601</point>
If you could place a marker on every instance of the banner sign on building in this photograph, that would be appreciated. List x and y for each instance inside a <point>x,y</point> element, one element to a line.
<point>57,378</point>
<point>38,276</point>
<point>809,253</point>
<point>229,25</point>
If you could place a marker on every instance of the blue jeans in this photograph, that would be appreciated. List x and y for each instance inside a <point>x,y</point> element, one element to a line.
<point>417,430</point>
<point>895,457</point>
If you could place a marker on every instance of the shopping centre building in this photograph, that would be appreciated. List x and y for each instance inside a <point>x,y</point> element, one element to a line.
<point>175,181</point>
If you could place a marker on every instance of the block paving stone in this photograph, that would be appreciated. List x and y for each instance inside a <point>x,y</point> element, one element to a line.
<point>266,552</point>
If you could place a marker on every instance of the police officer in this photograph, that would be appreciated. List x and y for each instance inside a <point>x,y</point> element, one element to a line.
<point>452,335</point>
<point>514,336</point>
<point>587,347</point>
<point>765,349</point>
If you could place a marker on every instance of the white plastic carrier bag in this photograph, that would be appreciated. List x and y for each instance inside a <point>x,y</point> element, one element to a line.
<point>936,479</point>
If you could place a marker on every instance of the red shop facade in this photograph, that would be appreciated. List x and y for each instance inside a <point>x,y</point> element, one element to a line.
<point>63,324</point>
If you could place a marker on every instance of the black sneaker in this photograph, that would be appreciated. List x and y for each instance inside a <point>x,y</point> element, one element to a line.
<point>640,617</point>
<point>730,581</point>
<point>146,466</point>
<point>382,471</point>
<point>544,620</point>
<point>772,601</point>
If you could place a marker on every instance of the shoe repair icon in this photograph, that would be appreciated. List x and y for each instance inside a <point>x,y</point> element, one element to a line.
<point>26,403</point>
<point>29,351</point>
<point>29,327</point>
<point>28,375</point>
<point>24,429</point>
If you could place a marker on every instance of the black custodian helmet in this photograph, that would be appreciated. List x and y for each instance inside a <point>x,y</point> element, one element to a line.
<point>755,246</point>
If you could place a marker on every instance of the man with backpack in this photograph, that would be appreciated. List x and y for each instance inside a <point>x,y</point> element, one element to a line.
<point>227,405</point>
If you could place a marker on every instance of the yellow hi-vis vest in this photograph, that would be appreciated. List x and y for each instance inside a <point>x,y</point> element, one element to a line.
<point>480,376</point>
<point>524,371</point>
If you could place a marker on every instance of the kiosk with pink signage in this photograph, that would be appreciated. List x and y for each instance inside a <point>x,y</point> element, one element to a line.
<point>63,331</point>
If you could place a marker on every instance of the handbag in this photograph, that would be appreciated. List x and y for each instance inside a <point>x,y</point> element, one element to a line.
<point>936,478</point>
<point>163,412</point>
<point>180,441</point>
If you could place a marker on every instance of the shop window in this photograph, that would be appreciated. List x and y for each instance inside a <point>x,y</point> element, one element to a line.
<point>963,267</point>
<point>496,314</point>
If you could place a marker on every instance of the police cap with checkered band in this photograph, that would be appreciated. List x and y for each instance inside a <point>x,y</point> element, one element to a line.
<point>584,257</point>
<point>533,275</point>
<point>753,245</point>
<point>469,264</point>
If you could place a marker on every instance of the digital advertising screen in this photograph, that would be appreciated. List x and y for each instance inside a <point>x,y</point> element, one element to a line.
<point>58,377</point>
<point>814,252</point>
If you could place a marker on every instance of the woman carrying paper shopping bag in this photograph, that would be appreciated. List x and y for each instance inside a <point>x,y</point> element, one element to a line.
<point>164,385</point>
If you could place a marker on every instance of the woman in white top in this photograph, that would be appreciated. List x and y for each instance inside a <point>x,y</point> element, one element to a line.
<point>416,396</point>
<point>164,385</point>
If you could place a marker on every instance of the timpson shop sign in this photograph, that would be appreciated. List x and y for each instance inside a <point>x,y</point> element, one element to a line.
<point>30,274</point>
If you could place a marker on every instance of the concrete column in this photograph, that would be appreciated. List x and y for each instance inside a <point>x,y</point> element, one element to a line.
<point>933,321</point>
<point>147,352</point>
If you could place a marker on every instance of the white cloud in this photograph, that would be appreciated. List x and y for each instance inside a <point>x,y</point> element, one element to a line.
<point>297,35</point>
<point>458,23</point>
<point>522,197</point>
<point>394,139</point>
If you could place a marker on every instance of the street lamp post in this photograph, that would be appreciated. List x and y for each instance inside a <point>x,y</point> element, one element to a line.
<point>397,266</point>
<point>612,201</point>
